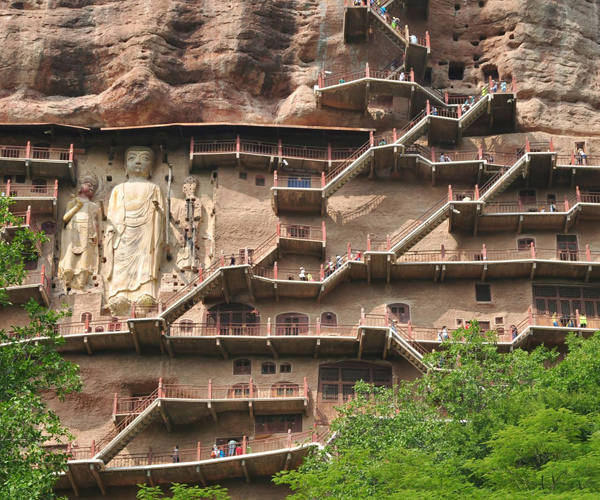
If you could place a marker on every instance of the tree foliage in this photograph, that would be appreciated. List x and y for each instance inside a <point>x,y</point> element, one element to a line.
<point>183,492</point>
<point>480,425</point>
<point>30,367</point>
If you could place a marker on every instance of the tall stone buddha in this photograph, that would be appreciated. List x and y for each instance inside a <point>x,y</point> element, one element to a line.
<point>134,236</point>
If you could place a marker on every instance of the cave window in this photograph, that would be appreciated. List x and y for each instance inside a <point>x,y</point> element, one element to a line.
<point>490,72</point>
<point>242,367</point>
<point>268,368</point>
<point>456,71</point>
<point>49,228</point>
<point>86,317</point>
<point>285,367</point>
<point>260,180</point>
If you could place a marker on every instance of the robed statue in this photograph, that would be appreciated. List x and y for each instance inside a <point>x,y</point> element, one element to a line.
<point>79,236</point>
<point>134,236</point>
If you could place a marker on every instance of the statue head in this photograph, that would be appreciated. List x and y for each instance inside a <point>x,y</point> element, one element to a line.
<point>189,187</point>
<point>139,162</point>
<point>88,185</point>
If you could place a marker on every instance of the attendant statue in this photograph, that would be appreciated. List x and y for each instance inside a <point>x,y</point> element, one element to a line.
<point>134,236</point>
<point>186,217</point>
<point>79,237</point>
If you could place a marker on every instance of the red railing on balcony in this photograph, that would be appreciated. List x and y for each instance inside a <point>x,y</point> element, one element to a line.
<point>300,232</point>
<point>36,278</point>
<point>91,327</point>
<point>29,190</point>
<point>36,153</point>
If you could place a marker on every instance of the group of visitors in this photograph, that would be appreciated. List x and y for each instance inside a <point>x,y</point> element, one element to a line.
<point>233,448</point>
<point>442,335</point>
<point>304,276</point>
<point>332,265</point>
<point>569,320</point>
<point>581,158</point>
<point>444,158</point>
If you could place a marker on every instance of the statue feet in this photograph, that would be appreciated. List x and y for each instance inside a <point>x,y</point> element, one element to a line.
<point>120,306</point>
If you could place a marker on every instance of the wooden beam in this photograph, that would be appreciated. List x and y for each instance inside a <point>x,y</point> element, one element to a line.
<point>158,326</point>
<point>88,347</point>
<point>286,461</point>
<point>212,411</point>
<point>479,172</point>
<point>245,469</point>
<point>201,475</point>
<point>169,348</point>
<point>221,347</point>
<point>443,273</point>
<point>566,225</point>
<point>99,479</point>
<point>72,481</point>
<point>532,273</point>
<point>225,288</point>
<point>251,409</point>
<point>360,344</point>
<point>317,347</point>
<point>150,478</point>
<point>164,416</point>
<point>483,272</point>
<point>276,290</point>
<point>368,269</point>
<point>134,335</point>
<point>249,283</point>
<point>433,175</point>
<point>436,273</point>
<point>588,273</point>
<point>520,224</point>
<point>388,268</point>
<point>476,222</point>
<point>387,344</point>
<point>271,347</point>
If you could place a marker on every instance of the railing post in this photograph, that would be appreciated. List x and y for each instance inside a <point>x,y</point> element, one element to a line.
<point>93,449</point>
<point>238,144</point>
<point>476,192</point>
<point>428,107</point>
<point>305,387</point>
<point>412,75</point>
<point>43,275</point>
<point>314,433</point>
<point>28,216</point>
<point>200,274</point>
<point>329,154</point>
<point>289,438</point>
<point>149,455</point>
<point>427,40</point>
<point>551,145</point>
<point>578,194</point>
<point>160,388</point>
<point>362,315</point>
<point>576,317</point>
<point>387,318</point>
<point>199,452</point>
<point>71,153</point>
<point>395,134</point>
<point>274,178</point>
<point>368,242</point>
<point>367,73</point>
<point>28,150</point>
<point>318,326</point>
<point>514,85</point>
<point>218,324</point>
<point>192,147</point>
<point>210,388</point>
<point>532,250</point>
<point>8,188</point>
<point>446,99</point>
<point>409,329</point>
<point>490,85</point>
<point>520,204</point>
<point>87,324</point>
<point>572,157</point>
<point>69,450</point>
<point>484,252</point>
<point>443,252</point>
<point>322,179</point>
<point>56,188</point>
<point>480,152</point>
<point>115,403</point>
<point>530,313</point>
<point>349,252</point>
<point>275,271</point>
<point>566,204</point>
<point>322,273</point>
<point>449,192</point>
<point>324,232</point>
<point>388,243</point>
<point>222,260</point>
<point>244,444</point>
<point>269,327</point>
<point>278,228</point>
<point>588,254</point>
<point>371,139</point>
<point>251,388</point>
<point>459,111</point>
<point>407,33</point>
<point>432,155</point>
<point>280,149</point>
<point>320,81</point>
<point>246,256</point>
<point>527,145</point>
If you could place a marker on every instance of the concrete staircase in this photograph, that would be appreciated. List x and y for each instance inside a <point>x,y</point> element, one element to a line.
<point>194,295</point>
<point>408,349</point>
<point>348,170</point>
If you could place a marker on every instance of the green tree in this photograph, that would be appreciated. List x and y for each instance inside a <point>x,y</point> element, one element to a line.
<point>30,367</point>
<point>183,492</point>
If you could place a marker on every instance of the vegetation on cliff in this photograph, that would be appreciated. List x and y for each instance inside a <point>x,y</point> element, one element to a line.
<point>481,425</point>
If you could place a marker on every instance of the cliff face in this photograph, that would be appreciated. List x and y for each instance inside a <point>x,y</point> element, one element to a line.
<point>109,62</point>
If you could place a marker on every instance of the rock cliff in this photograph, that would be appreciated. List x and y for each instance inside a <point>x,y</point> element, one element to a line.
<point>116,63</point>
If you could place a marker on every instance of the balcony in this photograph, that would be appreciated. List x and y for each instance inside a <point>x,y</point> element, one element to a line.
<point>186,404</point>
<point>39,199</point>
<point>8,232</point>
<point>302,240</point>
<point>259,457</point>
<point>35,285</point>
<point>298,194</point>
<point>39,162</point>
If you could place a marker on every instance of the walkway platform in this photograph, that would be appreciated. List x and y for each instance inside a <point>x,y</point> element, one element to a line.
<point>34,162</point>
<point>39,199</point>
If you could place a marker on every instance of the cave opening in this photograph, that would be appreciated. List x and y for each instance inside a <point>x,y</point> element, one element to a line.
<point>456,71</point>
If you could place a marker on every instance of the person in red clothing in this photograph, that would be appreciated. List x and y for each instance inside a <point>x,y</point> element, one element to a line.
<point>239,450</point>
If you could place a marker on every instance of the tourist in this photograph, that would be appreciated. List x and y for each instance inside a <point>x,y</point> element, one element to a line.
<point>413,39</point>
<point>232,260</point>
<point>215,452</point>
<point>232,445</point>
<point>339,261</point>
<point>394,326</point>
<point>239,450</point>
<point>434,111</point>
<point>582,321</point>
<point>402,76</point>
<point>439,335</point>
<point>553,207</point>
<point>445,335</point>
<point>395,22</point>
<point>176,458</point>
<point>554,319</point>
<point>358,256</point>
<point>302,274</point>
<point>382,142</point>
<point>494,86</point>
<point>447,158</point>
<point>327,270</point>
<point>503,86</point>
<point>513,331</point>
<point>484,91</point>
<point>581,157</point>
<point>310,277</point>
<point>222,453</point>
<point>571,322</point>
<point>342,80</point>
<point>442,157</point>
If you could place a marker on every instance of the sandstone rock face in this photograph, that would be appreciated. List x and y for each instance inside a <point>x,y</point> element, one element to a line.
<point>115,63</point>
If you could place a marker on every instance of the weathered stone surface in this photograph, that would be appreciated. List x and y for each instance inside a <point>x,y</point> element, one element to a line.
<point>107,62</point>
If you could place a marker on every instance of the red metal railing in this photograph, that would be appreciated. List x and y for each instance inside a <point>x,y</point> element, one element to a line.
<point>36,278</point>
<point>300,232</point>
<point>86,327</point>
<point>183,329</point>
<point>37,153</point>
<point>246,446</point>
<point>29,190</point>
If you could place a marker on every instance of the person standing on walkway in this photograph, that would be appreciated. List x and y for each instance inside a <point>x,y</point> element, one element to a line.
<point>176,458</point>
